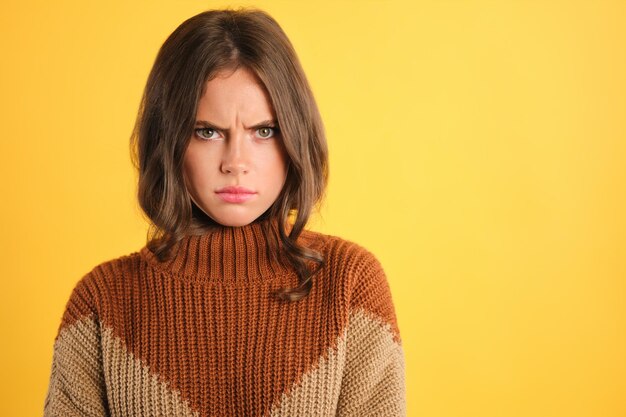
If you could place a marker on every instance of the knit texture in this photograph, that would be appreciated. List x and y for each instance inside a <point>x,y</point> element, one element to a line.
<point>201,335</point>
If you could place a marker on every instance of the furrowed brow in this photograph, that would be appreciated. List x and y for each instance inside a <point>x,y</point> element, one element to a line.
<point>268,122</point>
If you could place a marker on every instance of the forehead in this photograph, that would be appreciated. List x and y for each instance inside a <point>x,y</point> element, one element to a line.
<point>240,92</point>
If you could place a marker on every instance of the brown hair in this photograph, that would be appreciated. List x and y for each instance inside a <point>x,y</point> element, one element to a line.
<point>197,50</point>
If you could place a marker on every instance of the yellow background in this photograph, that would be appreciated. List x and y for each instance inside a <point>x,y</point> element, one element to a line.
<point>477,148</point>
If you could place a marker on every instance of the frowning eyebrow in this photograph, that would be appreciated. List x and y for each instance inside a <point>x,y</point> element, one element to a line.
<point>210,125</point>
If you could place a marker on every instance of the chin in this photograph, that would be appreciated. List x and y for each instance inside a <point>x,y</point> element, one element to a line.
<point>236,223</point>
<point>234,220</point>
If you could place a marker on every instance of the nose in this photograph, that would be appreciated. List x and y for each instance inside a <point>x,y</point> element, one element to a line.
<point>235,158</point>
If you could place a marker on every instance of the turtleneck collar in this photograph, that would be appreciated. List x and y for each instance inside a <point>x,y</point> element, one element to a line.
<point>228,254</point>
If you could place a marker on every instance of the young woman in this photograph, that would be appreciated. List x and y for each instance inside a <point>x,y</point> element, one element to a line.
<point>232,308</point>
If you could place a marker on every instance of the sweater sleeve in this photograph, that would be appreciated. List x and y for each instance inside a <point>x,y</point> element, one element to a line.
<point>373,383</point>
<point>76,386</point>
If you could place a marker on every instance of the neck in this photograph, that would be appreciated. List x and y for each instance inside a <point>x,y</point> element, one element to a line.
<point>252,252</point>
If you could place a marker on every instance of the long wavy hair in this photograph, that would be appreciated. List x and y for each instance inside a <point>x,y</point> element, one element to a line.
<point>200,48</point>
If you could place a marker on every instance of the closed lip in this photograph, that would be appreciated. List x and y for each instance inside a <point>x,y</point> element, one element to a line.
<point>235,190</point>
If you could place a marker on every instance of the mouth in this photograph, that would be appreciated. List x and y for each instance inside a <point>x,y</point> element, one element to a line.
<point>235,194</point>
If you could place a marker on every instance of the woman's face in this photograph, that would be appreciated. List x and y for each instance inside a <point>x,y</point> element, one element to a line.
<point>235,164</point>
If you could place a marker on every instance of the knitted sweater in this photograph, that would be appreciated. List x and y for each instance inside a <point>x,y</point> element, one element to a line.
<point>201,335</point>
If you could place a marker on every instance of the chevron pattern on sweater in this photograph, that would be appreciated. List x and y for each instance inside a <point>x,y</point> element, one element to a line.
<point>200,335</point>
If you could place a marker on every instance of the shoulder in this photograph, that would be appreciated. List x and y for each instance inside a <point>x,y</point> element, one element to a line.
<point>359,271</point>
<point>368,288</point>
<point>343,254</point>
<point>95,288</point>
<point>111,270</point>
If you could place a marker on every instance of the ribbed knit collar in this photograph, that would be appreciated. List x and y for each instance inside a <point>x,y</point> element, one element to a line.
<point>228,254</point>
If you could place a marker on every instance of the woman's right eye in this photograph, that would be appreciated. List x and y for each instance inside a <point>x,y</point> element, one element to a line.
<point>203,136</point>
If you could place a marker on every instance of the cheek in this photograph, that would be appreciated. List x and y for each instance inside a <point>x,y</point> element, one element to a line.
<point>279,162</point>
<point>195,170</point>
<point>276,167</point>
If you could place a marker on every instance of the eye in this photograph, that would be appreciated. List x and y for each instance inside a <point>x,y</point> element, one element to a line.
<point>201,135</point>
<point>268,131</point>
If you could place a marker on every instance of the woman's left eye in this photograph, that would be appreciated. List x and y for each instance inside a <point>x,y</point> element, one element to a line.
<point>267,131</point>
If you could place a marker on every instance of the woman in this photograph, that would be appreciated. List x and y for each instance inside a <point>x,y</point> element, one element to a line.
<point>232,308</point>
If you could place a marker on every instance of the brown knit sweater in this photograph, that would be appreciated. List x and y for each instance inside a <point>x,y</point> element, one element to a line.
<point>200,335</point>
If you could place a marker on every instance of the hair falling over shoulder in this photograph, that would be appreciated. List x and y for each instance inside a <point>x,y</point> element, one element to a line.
<point>198,49</point>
